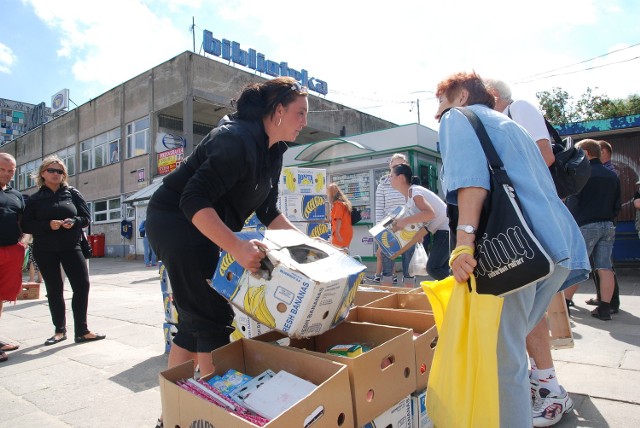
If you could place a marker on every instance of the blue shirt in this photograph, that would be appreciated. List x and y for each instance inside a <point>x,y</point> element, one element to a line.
<point>465,165</point>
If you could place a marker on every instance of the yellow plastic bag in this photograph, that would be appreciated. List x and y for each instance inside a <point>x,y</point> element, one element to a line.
<point>463,382</point>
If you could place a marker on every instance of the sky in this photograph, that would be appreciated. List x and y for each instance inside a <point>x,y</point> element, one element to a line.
<point>382,58</point>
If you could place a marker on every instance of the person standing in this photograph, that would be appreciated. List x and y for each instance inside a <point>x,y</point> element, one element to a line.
<point>467,185</point>
<point>341,228</point>
<point>605,157</point>
<point>424,206</point>
<point>232,173</point>
<point>11,247</point>
<point>149,254</point>
<point>55,216</point>
<point>548,395</point>
<point>597,206</point>
<point>388,199</point>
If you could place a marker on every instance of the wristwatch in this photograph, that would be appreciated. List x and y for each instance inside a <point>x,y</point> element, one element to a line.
<point>467,228</point>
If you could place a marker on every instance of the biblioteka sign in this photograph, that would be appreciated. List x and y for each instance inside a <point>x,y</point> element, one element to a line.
<point>254,60</point>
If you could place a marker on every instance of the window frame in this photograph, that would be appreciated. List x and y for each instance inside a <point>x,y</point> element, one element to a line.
<point>137,130</point>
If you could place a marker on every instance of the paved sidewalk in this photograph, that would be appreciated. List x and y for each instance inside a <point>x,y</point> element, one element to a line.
<point>114,382</point>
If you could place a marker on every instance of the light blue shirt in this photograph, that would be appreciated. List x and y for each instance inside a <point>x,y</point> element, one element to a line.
<point>465,165</point>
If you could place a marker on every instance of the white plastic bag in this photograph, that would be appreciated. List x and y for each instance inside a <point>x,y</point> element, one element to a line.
<point>418,264</point>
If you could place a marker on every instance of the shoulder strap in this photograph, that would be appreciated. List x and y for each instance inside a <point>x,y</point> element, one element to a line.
<point>553,132</point>
<point>495,163</point>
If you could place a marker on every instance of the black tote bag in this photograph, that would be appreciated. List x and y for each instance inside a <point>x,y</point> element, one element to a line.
<point>509,255</point>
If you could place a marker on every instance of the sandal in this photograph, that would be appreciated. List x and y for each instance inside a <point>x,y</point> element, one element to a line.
<point>8,347</point>
<point>3,357</point>
<point>159,424</point>
<point>592,301</point>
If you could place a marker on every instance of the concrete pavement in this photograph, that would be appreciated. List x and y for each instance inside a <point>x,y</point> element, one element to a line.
<point>114,382</point>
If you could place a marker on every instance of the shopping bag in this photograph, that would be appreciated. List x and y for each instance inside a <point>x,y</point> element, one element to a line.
<point>25,262</point>
<point>463,382</point>
<point>418,264</point>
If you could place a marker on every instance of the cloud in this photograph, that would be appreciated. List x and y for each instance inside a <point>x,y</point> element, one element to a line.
<point>7,58</point>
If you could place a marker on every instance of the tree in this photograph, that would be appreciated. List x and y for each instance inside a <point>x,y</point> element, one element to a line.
<point>558,106</point>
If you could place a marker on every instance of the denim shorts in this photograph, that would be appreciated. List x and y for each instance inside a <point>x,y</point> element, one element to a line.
<point>599,238</point>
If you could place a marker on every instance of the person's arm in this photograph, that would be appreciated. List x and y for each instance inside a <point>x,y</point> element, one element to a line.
<point>425,215</point>
<point>247,253</point>
<point>636,201</point>
<point>470,201</point>
<point>547,152</point>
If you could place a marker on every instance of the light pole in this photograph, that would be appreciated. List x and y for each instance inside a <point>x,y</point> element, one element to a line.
<point>418,101</point>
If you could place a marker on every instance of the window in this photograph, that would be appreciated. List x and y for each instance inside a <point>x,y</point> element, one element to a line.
<point>68,156</point>
<point>97,151</point>
<point>25,174</point>
<point>106,210</point>
<point>137,137</point>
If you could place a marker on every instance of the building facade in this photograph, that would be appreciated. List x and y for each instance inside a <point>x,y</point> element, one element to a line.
<point>119,142</point>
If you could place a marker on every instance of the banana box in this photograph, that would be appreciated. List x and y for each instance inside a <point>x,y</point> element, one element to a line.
<point>303,207</point>
<point>305,286</point>
<point>314,229</point>
<point>312,181</point>
<point>288,184</point>
<point>170,311</point>
<point>393,243</point>
<point>246,327</point>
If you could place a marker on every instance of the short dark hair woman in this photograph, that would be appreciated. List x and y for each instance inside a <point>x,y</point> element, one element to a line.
<point>55,215</point>
<point>232,173</point>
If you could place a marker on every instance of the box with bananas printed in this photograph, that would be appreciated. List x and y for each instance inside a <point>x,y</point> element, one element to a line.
<point>395,242</point>
<point>314,229</point>
<point>303,181</point>
<point>305,286</point>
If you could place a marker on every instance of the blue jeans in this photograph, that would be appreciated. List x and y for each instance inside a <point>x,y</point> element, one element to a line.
<point>387,266</point>
<point>599,238</point>
<point>439,253</point>
<point>521,311</point>
<point>149,255</point>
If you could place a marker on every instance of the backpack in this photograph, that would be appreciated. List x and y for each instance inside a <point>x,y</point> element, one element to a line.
<point>356,215</point>
<point>571,169</point>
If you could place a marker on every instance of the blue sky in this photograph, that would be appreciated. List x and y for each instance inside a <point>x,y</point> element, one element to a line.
<point>375,57</point>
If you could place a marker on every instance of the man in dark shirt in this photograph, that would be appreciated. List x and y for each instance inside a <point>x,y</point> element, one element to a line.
<point>11,250</point>
<point>596,207</point>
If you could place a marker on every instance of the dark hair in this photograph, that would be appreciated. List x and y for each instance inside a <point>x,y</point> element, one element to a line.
<point>259,100</point>
<point>405,170</point>
<point>478,93</point>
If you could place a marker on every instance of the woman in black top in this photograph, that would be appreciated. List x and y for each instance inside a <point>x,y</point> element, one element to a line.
<point>55,216</point>
<point>233,172</point>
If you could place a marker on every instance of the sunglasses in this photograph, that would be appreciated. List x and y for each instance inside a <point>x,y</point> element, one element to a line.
<point>296,86</point>
<point>55,171</point>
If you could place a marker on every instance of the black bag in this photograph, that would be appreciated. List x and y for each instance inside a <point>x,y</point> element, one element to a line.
<point>571,169</point>
<point>87,251</point>
<point>509,255</point>
<point>356,215</point>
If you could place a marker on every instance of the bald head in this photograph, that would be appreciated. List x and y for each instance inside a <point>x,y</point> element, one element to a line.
<point>7,169</point>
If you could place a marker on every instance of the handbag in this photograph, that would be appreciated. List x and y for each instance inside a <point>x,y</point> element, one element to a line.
<point>508,253</point>
<point>87,251</point>
<point>463,380</point>
<point>418,264</point>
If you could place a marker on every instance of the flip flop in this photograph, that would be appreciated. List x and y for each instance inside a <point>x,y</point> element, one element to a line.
<point>8,347</point>
<point>592,302</point>
<point>3,357</point>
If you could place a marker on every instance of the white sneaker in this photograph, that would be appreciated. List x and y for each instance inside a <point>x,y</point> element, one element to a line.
<point>549,407</point>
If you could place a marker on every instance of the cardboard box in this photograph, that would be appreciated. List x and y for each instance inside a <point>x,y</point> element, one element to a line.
<point>165,283</point>
<point>398,416</point>
<point>307,289</point>
<point>379,377</point>
<point>424,334</point>
<point>312,181</point>
<point>405,301</point>
<point>29,291</point>
<point>246,326</point>
<point>288,180</point>
<point>395,243</point>
<point>419,410</point>
<point>314,229</point>
<point>181,408</point>
<point>169,331</point>
<point>170,310</point>
<point>559,324</point>
<point>303,207</point>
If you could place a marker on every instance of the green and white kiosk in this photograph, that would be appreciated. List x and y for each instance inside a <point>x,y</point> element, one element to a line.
<point>356,163</point>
